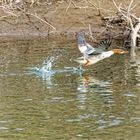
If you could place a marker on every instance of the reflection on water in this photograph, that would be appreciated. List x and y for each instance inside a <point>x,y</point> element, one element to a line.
<point>86,83</point>
<point>59,100</point>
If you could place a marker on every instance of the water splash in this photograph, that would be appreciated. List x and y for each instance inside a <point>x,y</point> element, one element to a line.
<point>48,69</point>
<point>47,66</point>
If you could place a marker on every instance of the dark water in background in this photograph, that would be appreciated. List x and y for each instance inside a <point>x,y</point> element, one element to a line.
<point>101,103</point>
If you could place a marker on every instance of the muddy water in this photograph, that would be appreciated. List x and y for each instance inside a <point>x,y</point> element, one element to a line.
<point>101,103</point>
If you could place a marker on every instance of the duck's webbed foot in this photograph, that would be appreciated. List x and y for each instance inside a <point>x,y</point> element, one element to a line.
<point>87,63</point>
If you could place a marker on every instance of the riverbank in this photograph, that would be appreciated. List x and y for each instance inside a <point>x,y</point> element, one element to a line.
<point>55,19</point>
<point>58,19</point>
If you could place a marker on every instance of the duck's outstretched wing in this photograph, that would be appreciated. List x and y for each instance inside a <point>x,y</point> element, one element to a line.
<point>101,47</point>
<point>85,48</point>
<point>104,45</point>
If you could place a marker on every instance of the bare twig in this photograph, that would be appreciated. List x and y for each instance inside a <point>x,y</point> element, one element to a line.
<point>134,33</point>
<point>125,12</point>
<point>68,6</point>
<point>79,7</point>
<point>8,11</point>
<point>44,21</point>
<point>4,17</point>
<point>90,32</point>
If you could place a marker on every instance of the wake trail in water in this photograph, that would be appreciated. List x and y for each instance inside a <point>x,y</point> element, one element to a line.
<point>47,68</point>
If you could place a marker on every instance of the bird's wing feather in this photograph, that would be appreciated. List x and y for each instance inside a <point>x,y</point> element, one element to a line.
<point>84,47</point>
<point>87,50</point>
<point>104,45</point>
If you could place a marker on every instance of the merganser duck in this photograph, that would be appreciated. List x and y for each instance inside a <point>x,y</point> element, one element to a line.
<point>92,55</point>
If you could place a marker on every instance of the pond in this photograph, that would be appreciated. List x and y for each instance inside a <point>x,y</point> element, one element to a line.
<point>101,102</point>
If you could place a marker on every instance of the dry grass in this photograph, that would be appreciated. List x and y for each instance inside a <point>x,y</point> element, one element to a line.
<point>104,9</point>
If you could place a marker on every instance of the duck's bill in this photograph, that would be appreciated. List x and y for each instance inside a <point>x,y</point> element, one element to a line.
<point>125,52</point>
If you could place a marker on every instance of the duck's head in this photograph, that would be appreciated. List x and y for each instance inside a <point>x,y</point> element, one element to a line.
<point>119,51</point>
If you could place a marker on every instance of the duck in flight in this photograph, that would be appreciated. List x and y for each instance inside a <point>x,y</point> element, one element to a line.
<point>92,55</point>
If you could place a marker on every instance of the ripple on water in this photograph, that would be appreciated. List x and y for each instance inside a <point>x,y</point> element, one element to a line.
<point>45,101</point>
<point>129,94</point>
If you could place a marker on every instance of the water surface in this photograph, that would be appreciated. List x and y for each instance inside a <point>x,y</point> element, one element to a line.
<point>100,103</point>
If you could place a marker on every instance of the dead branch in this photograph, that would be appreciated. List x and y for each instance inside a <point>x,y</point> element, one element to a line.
<point>68,6</point>
<point>90,32</point>
<point>134,36</point>
<point>44,21</point>
<point>131,19</point>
